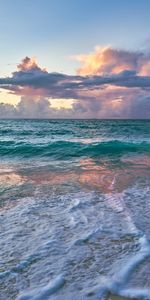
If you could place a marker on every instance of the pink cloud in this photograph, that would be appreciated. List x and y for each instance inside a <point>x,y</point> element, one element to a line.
<point>29,63</point>
<point>106,60</point>
<point>110,83</point>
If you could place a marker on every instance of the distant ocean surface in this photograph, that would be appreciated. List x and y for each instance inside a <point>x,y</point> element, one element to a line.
<point>74,209</point>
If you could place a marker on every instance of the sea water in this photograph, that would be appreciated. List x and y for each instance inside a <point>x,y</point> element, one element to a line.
<point>74,209</point>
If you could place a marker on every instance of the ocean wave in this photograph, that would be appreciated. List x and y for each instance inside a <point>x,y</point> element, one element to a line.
<point>68,149</point>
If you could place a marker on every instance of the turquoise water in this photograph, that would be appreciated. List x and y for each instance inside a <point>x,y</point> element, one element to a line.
<point>74,209</point>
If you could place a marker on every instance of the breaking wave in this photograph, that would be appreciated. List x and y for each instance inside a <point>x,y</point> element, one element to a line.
<point>66,149</point>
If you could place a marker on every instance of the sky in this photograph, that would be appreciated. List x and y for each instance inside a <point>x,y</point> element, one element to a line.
<point>74,59</point>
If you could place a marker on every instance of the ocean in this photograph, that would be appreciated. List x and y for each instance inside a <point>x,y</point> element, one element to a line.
<point>74,209</point>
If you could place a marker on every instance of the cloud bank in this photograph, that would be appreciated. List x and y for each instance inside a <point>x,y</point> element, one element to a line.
<point>110,83</point>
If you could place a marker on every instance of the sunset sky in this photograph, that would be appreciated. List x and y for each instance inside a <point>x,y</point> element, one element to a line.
<point>75,59</point>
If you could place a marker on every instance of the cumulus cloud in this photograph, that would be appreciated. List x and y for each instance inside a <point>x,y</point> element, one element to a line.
<point>110,83</point>
<point>106,60</point>
<point>29,64</point>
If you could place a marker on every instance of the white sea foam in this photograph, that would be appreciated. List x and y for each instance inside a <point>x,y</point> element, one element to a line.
<point>94,237</point>
<point>117,283</point>
<point>44,292</point>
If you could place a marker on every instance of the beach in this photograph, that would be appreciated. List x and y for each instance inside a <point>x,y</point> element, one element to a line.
<point>74,209</point>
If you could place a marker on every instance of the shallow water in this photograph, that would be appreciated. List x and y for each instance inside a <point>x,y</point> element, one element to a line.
<point>74,209</point>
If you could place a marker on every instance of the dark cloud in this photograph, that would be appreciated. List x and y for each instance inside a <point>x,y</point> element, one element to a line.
<point>115,89</point>
<point>62,85</point>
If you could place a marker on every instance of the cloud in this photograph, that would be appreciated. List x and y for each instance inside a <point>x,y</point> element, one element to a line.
<point>110,83</point>
<point>30,75</point>
<point>28,64</point>
<point>106,60</point>
<point>7,111</point>
<point>28,108</point>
